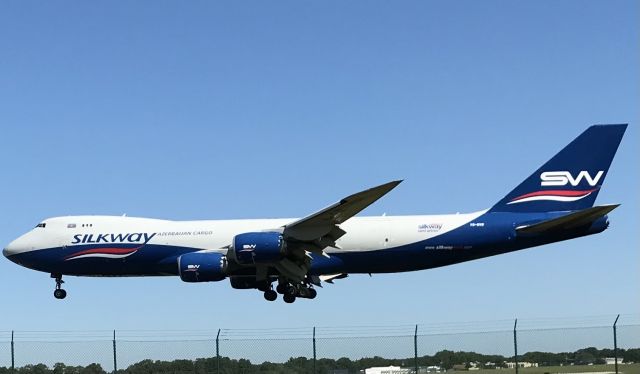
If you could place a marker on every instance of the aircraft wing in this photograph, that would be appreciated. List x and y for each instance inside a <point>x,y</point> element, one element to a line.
<point>570,221</point>
<point>322,227</point>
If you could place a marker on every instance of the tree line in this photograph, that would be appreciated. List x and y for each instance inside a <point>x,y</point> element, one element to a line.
<point>445,359</point>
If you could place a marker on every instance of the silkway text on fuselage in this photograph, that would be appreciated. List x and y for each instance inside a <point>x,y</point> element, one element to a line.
<point>136,237</point>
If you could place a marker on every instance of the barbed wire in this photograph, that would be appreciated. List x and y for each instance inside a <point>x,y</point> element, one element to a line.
<point>324,332</point>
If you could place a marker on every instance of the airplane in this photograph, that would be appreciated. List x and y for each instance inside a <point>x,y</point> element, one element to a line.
<point>555,203</point>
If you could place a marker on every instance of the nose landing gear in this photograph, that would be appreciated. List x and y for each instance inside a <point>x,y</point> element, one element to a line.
<point>59,293</point>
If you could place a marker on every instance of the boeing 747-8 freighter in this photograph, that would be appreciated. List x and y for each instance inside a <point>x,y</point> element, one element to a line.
<point>555,203</point>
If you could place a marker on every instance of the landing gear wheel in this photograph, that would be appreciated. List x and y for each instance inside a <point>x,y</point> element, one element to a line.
<point>311,293</point>
<point>290,291</point>
<point>281,288</point>
<point>270,295</point>
<point>59,293</point>
<point>288,298</point>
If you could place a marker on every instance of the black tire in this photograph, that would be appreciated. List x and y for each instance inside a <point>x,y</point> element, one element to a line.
<point>291,291</point>
<point>289,298</point>
<point>281,288</point>
<point>270,295</point>
<point>312,293</point>
<point>60,294</point>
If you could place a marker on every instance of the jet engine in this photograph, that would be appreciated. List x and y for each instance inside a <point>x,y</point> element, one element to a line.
<point>258,248</point>
<point>202,267</point>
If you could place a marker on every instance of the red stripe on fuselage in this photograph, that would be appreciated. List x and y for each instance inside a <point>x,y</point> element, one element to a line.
<point>109,251</point>
<point>555,193</point>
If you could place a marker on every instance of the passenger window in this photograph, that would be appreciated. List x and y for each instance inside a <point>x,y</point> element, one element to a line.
<point>71,226</point>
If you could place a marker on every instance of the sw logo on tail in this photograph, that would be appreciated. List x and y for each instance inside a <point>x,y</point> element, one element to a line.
<point>562,178</point>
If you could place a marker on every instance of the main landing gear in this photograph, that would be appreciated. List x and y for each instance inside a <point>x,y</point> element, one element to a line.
<point>59,293</point>
<point>292,291</point>
<point>289,291</point>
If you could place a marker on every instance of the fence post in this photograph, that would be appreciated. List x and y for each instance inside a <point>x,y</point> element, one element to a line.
<point>115,357</point>
<point>615,343</point>
<point>314,350</point>
<point>218,352</point>
<point>515,343</point>
<point>415,349</point>
<point>13,358</point>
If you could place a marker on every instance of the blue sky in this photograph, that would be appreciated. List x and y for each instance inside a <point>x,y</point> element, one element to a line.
<point>212,110</point>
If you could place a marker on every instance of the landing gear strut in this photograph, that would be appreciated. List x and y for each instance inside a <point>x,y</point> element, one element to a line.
<point>59,293</point>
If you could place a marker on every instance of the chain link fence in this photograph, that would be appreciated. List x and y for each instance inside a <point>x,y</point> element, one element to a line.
<point>525,347</point>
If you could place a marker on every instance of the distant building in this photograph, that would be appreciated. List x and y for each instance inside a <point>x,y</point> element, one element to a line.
<point>387,370</point>
<point>512,365</point>
<point>612,360</point>
<point>428,370</point>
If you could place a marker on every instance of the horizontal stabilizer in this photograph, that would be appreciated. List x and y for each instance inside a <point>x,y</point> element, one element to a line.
<point>569,221</point>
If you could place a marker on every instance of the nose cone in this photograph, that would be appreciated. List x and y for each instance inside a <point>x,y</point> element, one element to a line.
<point>16,247</point>
<point>20,251</point>
<point>10,250</point>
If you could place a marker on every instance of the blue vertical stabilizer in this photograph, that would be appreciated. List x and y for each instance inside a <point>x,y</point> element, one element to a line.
<point>572,179</point>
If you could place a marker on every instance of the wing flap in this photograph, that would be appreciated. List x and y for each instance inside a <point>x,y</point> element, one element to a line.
<point>329,278</point>
<point>570,221</point>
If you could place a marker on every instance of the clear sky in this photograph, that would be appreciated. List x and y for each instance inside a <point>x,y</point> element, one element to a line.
<point>216,110</point>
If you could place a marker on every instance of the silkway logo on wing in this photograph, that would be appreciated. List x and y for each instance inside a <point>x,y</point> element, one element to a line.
<point>561,178</point>
<point>109,252</point>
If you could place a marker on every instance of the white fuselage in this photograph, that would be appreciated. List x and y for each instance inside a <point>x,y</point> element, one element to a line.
<point>363,233</point>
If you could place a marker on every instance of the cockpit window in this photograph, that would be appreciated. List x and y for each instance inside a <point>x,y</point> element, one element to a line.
<point>41,225</point>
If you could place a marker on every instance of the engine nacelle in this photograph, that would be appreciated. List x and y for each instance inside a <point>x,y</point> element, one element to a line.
<point>258,247</point>
<point>202,267</point>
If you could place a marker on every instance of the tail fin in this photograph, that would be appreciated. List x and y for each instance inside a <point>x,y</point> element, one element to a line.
<point>572,179</point>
